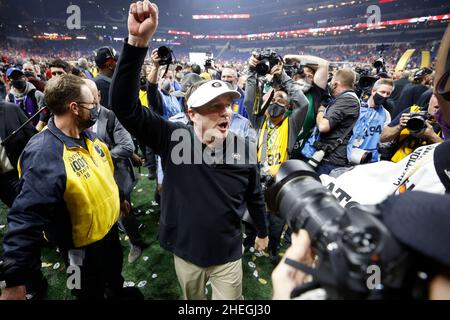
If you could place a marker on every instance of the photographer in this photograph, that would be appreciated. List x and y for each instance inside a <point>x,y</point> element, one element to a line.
<point>411,218</point>
<point>160,97</point>
<point>313,79</point>
<point>405,135</point>
<point>327,147</point>
<point>278,131</point>
<point>373,118</point>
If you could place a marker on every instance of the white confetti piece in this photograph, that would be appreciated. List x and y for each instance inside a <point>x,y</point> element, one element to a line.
<point>244,236</point>
<point>154,203</point>
<point>2,226</point>
<point>154,276</point>
<point>126,238</point>
<point>142,284</point>
<point>56,266</point>
<point>255,274</point>
<point>145,258</point>
<point>252,249</point>
<point>147,212</point>
<point>206,290</point>
<point>129,284</point>
<point>259,254</point>
<point>252,265</point>
<point>46,264</point>
<point>140,190</point>
<point>151,210</point>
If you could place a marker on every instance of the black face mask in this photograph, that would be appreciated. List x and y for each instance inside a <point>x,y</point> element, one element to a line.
<point>84,124</point>
<point>275,110</point>
<point>19,84</point>
<point>379,100</point>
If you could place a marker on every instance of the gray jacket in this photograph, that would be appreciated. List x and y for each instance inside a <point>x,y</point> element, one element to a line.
<point>121,146</point>
<point>253,103</point>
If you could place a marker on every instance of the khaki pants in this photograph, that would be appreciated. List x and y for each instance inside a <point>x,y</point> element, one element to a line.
<point>226,280</point>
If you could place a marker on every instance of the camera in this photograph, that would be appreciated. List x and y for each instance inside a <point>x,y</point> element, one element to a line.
<point>417,121</point>
<point>347,241</point>
<point>165,56</point>
<point>267,60</point>
<point>209,63</point>
<point>366,80</point>
<point>293,69</point>
<point>360,156</point>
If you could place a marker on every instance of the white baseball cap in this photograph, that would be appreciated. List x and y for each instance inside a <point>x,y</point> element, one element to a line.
<point>209,91</point>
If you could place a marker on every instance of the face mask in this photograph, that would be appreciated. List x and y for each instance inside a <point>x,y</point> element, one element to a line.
<point>91,121</point>
<point>28,74</point>
<point>379,100</point>
<point>304,85</point>
<point>442,124</point>
<point>178,75</point>
<point>19,84</point>
<point>275,110</point>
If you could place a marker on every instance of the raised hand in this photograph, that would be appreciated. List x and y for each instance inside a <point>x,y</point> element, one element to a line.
<point>142,23</point>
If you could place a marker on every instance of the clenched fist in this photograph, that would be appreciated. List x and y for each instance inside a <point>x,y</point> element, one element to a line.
<point>142,23</point>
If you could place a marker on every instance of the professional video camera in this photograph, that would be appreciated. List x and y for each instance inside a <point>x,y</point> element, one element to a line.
<point>347,241</point>
<point>366,80</point>
<point>417,121</point>
<point>293,69</point>
<point>267,60</point>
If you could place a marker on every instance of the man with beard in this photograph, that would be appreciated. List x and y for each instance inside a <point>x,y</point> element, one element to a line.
<point>313,81</point>
<point>68,189</point>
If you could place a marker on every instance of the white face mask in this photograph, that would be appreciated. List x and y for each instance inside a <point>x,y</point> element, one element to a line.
<point>304,85</point>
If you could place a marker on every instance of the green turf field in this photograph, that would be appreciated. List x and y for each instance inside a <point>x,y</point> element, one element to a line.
<point>158,270</point>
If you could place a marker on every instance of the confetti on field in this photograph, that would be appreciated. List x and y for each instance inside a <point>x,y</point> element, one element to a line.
<point>154,276</point>
<point>140,190</point>
<point>151,210</point>
<point>126,238</point>
<point>127,284</point>
<point>255,274</point>
<point>46,264</point>
<point>142,284</point>
<point>252,265</point>
<point>56,266</point>
<point>147,212</point>
<point>206,290</point>
<point>259,254</point>
<point>2,226</point>
<point>253,258</point>
<point>145,258</point>
<point>252,249</point>
<point>262,281</point>
<point>154,203</point>
<point>244,236</point>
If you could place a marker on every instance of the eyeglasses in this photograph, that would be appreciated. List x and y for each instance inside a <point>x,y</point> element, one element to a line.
<point>94,104</point>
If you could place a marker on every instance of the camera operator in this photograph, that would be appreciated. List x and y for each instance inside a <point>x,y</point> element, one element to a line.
<point>334,125</point>
<point>160,96</point>
<point>373,118</point>
<point>423,79</point>
<point>313,79</point>
<point>403,140</point>
<point>411,218</point>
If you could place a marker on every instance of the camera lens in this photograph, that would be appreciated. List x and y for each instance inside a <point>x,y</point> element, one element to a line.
<point>415,124</point>
<point>165,55</point>
<point>263,67</point>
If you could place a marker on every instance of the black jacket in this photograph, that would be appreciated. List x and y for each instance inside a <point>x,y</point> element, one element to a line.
<point>201,202</point>
<point>11,118</point>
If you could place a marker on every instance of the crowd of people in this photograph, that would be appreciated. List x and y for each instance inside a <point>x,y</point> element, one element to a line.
<point>369,132</point>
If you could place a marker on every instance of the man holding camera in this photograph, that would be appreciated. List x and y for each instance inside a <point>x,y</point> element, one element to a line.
<point>411,129</point>
<point>373,118</point>
<point>312,76</point>
<point>334,125</point>
<point>200,225</point>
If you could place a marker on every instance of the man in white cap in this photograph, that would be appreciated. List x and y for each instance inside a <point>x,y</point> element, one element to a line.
<point>206,177</point>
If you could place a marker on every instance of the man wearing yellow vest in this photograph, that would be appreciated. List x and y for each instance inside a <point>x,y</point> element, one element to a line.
<point>281,124</point>
<point>68,187</point>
